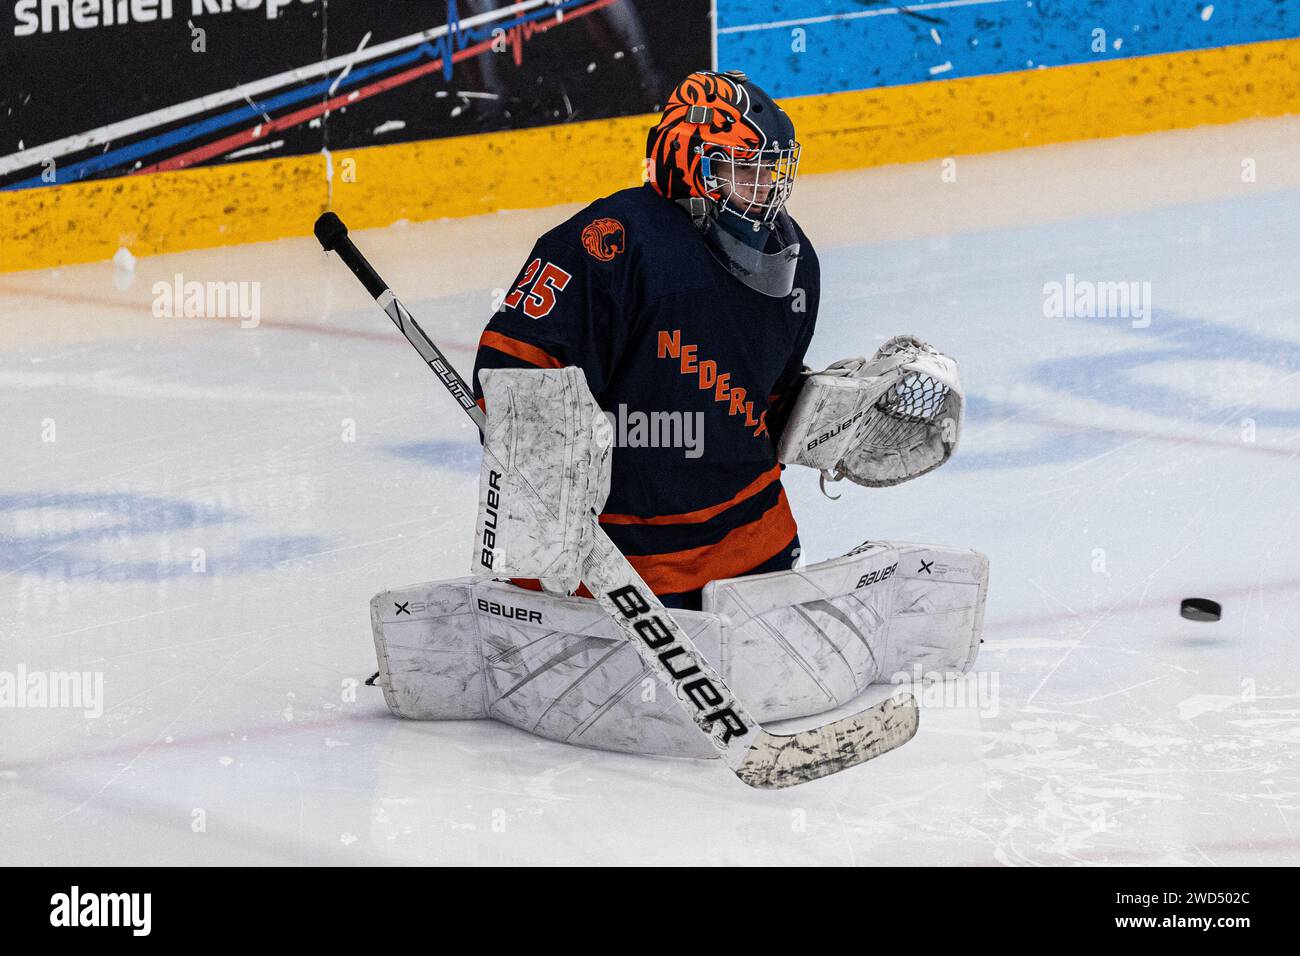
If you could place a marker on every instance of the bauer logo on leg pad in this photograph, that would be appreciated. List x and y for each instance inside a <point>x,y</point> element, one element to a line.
<point>872,577</point>
<point>513,613</point>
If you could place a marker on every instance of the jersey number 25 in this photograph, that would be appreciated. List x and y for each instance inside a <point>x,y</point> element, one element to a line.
<point>546,280</point>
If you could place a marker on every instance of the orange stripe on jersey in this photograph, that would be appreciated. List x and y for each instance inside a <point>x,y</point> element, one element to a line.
<point>746,547</point>
<point>741,549</point>
<point>701,514</point>
<point>520,350</point>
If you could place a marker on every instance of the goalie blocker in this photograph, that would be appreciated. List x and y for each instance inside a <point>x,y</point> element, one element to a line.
<point>789,643</point>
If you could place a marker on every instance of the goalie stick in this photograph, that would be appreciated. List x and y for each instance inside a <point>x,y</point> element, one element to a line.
<point>759,758</point>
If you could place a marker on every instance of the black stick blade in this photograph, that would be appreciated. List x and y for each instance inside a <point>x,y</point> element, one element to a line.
<point>330,231</point>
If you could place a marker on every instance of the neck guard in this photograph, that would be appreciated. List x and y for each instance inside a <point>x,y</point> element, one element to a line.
<point>768,273</point>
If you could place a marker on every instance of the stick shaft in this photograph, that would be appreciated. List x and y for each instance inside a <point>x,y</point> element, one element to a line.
<point>432,355</point>
<point>333,236</point>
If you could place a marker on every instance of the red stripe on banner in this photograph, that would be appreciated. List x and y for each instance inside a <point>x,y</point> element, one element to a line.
<point>262,130</point>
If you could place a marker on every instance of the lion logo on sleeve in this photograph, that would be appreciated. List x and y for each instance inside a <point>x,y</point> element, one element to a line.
<point>604,239</point>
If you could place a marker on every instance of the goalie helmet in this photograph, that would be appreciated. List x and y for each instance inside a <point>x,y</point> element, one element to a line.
<point>724,148</point>
<point>725,142</point>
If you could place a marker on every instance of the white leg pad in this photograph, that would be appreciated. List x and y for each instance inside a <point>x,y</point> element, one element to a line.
<point>790,644</point>
<point>811,639</point>
<point>556,667</point>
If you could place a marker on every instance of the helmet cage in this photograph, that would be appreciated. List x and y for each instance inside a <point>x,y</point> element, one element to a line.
<point>737,176</point>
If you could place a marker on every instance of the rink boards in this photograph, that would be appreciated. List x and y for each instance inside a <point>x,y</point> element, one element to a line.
<point>861,93</point>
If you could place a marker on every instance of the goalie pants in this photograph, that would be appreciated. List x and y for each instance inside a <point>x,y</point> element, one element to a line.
<point>783,560</point>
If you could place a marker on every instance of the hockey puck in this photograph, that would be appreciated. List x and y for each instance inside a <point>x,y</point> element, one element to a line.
<point>1201,609</point>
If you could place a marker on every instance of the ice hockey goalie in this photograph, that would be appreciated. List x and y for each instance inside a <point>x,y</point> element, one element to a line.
<point>646,366</point>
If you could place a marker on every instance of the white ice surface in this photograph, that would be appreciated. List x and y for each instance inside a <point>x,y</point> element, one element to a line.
<point>1106,470</point>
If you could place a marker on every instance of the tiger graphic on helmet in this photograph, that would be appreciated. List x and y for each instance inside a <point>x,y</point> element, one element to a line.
<point>721,118</point>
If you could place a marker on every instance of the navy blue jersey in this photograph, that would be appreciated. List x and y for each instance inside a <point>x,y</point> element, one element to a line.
<point>628,291</point>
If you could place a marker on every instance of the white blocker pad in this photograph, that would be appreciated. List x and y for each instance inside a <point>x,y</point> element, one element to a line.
<point>789,643</point>
<point>545,471</point>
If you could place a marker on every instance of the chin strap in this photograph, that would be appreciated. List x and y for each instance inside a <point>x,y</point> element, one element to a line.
<point>698,209</point>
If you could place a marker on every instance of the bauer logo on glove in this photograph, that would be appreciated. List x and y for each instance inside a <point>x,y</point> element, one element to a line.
<point>881,422</point>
